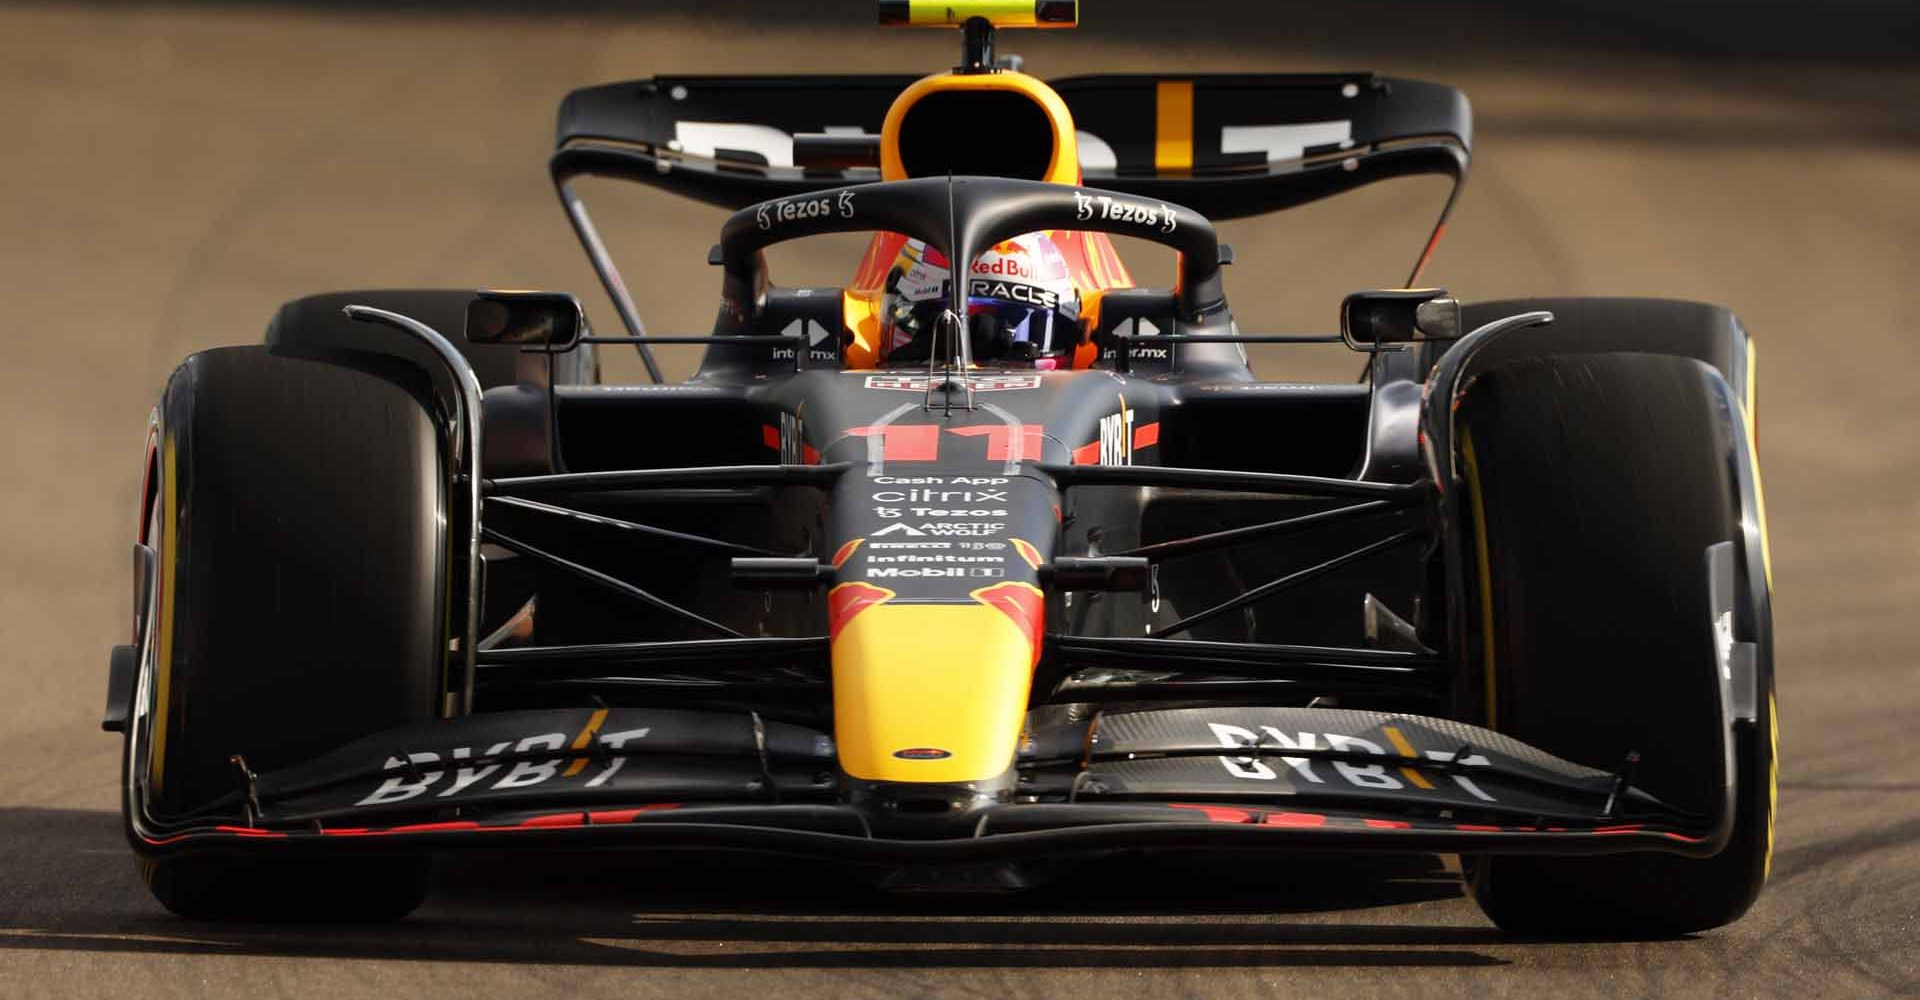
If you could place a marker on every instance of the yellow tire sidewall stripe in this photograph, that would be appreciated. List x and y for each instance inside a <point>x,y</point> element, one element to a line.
<point>162,663</point>
<point>1483,562</point>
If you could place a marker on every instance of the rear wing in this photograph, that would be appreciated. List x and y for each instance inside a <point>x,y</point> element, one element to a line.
<point>1228,146</point>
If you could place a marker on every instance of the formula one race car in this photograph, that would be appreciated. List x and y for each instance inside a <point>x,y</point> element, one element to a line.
<point>940,575</point>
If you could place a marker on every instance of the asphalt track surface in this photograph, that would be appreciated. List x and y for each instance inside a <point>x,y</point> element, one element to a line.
<point>168,175</point>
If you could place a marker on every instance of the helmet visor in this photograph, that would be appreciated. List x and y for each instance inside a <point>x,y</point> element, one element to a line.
<point>998,330</point>
<point>1011,331</point>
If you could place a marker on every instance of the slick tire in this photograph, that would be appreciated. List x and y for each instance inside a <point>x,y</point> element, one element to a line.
<point>303,601</point>
<point>1594,484</point>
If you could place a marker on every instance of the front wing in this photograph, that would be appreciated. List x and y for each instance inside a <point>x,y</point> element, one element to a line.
<point>1285,778</point>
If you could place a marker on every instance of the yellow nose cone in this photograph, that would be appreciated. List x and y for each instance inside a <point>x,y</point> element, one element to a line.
<point>930,692</point>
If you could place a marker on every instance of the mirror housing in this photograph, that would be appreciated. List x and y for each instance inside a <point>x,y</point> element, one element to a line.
<point>552,320</point>
<point>1393,317</point>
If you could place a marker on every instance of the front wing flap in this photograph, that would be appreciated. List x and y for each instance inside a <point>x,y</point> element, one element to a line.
<point>1346,759</point>
<point>556,756</point>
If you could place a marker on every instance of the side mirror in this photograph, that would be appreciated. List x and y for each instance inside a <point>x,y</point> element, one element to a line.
<point>1396,316</point>
<point>537,319</point>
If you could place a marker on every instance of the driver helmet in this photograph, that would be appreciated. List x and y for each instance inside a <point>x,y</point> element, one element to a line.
<point>1022,305</point>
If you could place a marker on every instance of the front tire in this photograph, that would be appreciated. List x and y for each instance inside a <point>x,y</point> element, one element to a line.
<point>301,605</point>
<point>1595,484</point>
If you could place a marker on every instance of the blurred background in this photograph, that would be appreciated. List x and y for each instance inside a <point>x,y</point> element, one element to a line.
<point>170,172</point>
